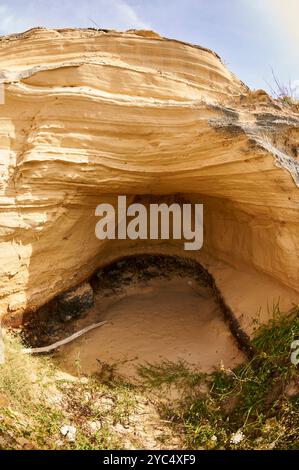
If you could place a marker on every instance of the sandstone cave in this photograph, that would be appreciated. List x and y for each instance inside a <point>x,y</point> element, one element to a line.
<point>79,130</point>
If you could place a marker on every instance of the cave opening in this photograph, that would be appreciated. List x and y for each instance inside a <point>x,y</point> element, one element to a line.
<point>158,301</point>
<point>156,308</point>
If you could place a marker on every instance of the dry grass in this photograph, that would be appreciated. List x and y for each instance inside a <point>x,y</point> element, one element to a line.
<point>258,401</point>
<point>286,93</point>
<point>37,400</point>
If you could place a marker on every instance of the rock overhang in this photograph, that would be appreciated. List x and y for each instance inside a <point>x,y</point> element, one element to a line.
<point>89,115</point>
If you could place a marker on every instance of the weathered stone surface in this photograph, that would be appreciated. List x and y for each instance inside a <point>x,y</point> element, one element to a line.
<point>92,114</point>
<point>73,303</point>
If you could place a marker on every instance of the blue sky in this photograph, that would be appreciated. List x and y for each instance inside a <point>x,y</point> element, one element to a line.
<point>251,36</point>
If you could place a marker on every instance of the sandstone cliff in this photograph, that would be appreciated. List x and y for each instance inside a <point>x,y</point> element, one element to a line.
<point>88,115</point>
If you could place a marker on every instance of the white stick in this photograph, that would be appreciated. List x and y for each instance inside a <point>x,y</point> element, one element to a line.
<point>53,346</point>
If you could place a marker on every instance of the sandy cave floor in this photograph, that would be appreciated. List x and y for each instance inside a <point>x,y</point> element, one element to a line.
<point>162,319</point>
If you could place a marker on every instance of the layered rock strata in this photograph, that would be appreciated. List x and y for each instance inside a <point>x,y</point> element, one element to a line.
<point>88,115</point>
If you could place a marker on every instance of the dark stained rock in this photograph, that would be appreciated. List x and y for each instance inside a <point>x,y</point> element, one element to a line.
<point>74,302</point>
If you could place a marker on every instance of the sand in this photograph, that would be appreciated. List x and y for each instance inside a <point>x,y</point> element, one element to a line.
<point>163,319</point>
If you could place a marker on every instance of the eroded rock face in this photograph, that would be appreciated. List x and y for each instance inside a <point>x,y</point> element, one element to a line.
<point>89,115</point>
<point>76,301</point>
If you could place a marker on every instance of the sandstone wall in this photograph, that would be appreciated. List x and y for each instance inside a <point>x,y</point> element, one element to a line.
<point>90,114</point>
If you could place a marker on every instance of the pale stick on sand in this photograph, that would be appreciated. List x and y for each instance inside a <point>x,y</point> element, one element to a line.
<point>56,345</point>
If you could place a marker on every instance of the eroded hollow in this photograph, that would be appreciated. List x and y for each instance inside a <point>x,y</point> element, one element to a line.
<point>157,308</point>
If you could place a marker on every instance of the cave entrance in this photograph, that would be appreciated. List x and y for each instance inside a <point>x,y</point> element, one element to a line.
<point>157,308</point>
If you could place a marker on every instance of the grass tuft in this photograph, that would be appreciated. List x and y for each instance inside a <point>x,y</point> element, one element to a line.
<point>259,399</point>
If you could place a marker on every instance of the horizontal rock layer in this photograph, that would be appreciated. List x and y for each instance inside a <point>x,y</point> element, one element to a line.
<point>89,114</point>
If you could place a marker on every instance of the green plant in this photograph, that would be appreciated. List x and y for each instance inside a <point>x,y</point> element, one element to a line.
<point>249,407</point>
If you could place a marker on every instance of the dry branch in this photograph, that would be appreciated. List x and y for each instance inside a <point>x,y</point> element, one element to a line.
<point>56,345</point>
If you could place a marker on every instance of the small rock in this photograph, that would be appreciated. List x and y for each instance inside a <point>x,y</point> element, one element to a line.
<point>24,443</point>
<point>94,426</point>
<point>69,432</point>
<point>119,428</point>
<point>84,380</point>
<point>106,404</point>
<point>292,388</point>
